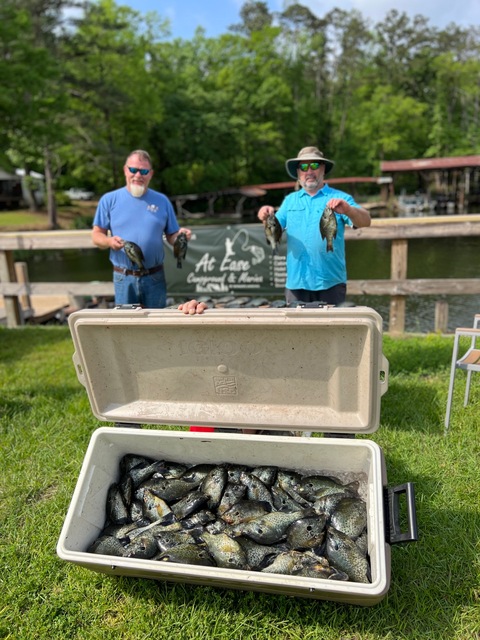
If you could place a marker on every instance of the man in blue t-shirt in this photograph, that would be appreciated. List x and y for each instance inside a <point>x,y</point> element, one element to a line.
<point>316,272</point>
<point>131,222</point>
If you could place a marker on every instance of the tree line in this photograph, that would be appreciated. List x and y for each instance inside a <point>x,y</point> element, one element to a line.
<point>82,85</point>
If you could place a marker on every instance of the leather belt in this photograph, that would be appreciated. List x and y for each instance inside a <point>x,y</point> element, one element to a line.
<point>143,272</point>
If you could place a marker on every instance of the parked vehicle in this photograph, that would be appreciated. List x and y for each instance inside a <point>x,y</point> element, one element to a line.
<point>79,194</point>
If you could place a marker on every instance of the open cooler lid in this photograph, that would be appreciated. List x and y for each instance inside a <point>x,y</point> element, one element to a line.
<point>276,369</point>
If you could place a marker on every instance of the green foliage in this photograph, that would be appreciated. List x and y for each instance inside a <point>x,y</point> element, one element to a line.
<point>227,111</point>
<point>45,426</point>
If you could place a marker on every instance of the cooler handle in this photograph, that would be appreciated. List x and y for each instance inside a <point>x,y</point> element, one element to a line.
<point>392,503</point>
<point>78,369</point>
<point>384,371</point>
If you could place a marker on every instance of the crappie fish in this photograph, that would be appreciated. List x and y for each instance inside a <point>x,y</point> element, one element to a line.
<point>273,232</point>
<point>328,227</point>
<point>345,555</point>
<point>134,253</point>
<point>350,517</point>
<point>180,248</point>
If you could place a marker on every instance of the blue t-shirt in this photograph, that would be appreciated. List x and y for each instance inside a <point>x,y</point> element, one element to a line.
<point>141,220</point>
<point>309,265</point>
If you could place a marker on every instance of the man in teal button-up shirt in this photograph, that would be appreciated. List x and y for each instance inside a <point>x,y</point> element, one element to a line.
<point>313,273</point>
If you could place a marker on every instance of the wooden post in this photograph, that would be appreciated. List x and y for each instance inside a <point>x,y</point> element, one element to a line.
<point>398,271</point>
<point>21,272</point>
<point>441,316</point>
<point>13,310</point>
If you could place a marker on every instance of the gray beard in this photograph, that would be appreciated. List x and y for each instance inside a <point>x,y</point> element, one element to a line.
<point>137,190</point>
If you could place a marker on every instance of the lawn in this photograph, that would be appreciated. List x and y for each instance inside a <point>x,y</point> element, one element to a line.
<point>46,423</point>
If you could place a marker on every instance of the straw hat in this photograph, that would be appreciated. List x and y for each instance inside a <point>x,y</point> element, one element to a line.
<point>307,154</point>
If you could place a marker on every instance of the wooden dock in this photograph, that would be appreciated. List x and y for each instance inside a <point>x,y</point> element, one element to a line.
<point>57,296</point>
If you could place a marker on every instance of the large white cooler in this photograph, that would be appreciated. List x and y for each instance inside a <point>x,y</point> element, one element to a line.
<point>295,369</point>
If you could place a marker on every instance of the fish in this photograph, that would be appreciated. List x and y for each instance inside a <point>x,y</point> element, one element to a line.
<point>169,539</point>
<point>107,545</point>
<point>267,474</point>
<point>232,494</point>
<point>171,488</point>
<point>345,555</point>
<point>306,533</point>
<point>350,517</point>
<point>213,486</point>
<point>188,554</point>
<point>226,551</point>
<point>246,511</point>
<point>144,547</point>
<point>328,227</point>
<point>134,253</point>
<point>314,487</point>
<point>259,555</point>
<point>256,489</point>
<point>273,232</point>
<point>189,504</point>
<point>117,511</point>
<point>259,518</point>
<point>154,507</point>
<point>271,527</point>
<point>287,563</point>
<point>180,248</point>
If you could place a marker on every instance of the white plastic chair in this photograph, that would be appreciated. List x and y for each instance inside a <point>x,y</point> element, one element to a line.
<point>469,361</point>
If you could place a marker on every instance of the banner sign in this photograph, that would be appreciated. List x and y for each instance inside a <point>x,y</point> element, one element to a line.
<point>233,259</point>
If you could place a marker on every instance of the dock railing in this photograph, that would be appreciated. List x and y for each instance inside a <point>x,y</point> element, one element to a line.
<point>396,230</point>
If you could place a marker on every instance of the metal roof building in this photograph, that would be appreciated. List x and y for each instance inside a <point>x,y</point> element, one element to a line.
<point>429,164</point>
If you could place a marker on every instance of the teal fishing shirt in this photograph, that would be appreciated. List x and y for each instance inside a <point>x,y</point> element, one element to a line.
<point>141,220</point>
<point>309,266</point>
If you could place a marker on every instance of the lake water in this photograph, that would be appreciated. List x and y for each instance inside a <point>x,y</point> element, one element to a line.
<point>367,259</point>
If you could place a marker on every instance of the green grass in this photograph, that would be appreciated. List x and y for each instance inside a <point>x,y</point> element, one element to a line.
<point>45,427</point>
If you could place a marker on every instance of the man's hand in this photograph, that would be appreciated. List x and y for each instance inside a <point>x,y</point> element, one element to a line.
<point>264,212</point>
<point>192,307</point>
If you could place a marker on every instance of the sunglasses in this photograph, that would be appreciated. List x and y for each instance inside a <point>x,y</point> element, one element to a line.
<point>303,166</point>
<point>143,172</point>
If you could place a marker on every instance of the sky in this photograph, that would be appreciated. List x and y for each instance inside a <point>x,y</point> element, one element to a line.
<point>215,16</point>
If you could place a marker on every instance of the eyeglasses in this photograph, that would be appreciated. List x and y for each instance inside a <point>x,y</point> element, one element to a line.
<point>303,166</point>
<point>143,172</point>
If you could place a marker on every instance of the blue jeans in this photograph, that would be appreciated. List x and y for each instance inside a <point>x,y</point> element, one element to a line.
<point>149,291</point>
